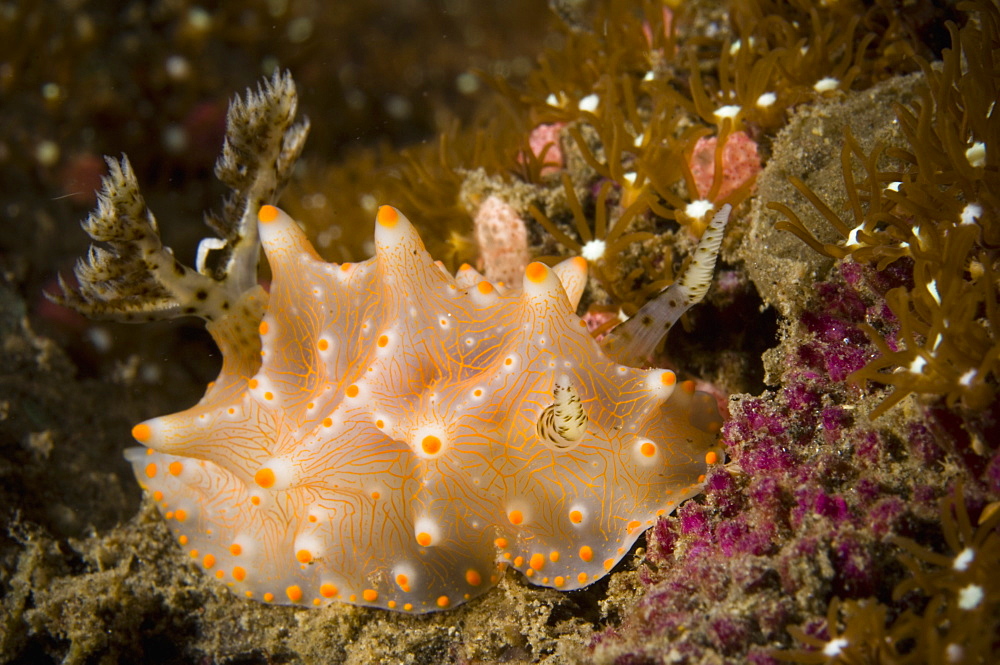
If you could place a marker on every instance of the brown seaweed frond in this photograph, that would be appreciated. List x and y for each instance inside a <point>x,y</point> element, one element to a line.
<point>856,633</point>
<point>618,38</point>
<point>959,621</point>
<point>604,240</point>
<point>940,208</point>
<point>130,275</point>
<point>956,573</point>
<point>876,232</point>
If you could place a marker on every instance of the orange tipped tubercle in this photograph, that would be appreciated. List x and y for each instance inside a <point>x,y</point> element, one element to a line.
<point>267,214</point>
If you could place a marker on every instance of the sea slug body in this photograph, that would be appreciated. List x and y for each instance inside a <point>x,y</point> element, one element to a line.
<point>399,435</point>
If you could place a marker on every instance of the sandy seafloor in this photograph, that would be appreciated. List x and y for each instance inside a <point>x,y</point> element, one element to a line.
<point>89,572</point>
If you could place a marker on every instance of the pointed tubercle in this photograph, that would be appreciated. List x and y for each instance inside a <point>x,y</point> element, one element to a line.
<point>283,241</point>
<point>397,242</point>
<point>572,273</point>
<point>541,287</point>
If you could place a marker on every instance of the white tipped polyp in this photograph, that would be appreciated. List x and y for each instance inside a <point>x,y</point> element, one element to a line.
<point>826,84</point>
<point>593,250</point>
<point>698,209</point>
<point>766,100</point>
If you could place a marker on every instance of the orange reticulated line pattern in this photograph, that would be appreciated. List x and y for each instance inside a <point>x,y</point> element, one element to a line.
<point>381,445</point>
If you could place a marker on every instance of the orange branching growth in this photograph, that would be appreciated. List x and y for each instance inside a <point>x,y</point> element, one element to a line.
<point>603,243</point>
<point>939,206</point>
<point>957,622</point>
<point>635,98</point>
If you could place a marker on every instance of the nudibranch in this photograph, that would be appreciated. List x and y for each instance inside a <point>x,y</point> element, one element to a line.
<point>386,434</point>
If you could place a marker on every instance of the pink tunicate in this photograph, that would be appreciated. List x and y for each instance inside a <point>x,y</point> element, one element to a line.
<point>547,135</point>
<point>740,163</point>
<point>503,241</point>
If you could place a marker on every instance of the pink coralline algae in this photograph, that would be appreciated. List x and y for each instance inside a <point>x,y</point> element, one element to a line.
<point>503,241</point>
<point>804,508</point>
<point>599,322</point>
<point>740,163</point>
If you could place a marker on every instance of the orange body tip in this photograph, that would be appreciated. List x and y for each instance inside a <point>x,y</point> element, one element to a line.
<point>387,216</point>
<point>579,262</point>
<point>669,378</point>
<point>264,477</point>
<point>536,272</point>
<point>370,594</point>
<point>484,287</point>
<point>537,561</point>
<point>431,444</point>
<point>711,457</point>
<point>267,214</point>
<point>294,593</point>
<point>142,432</point>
